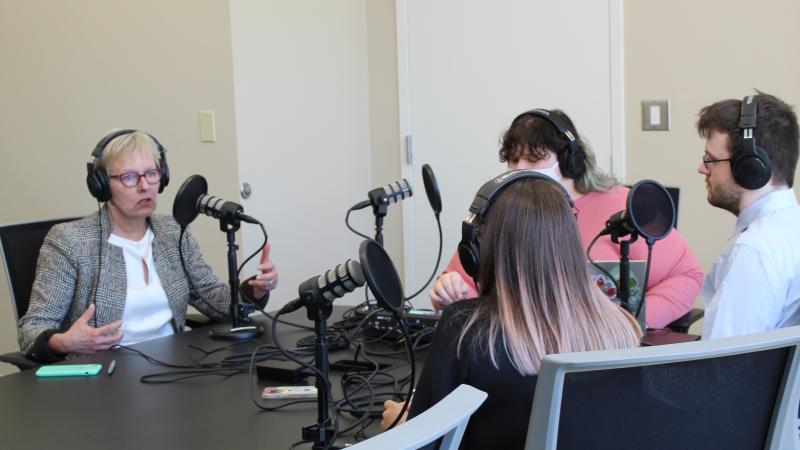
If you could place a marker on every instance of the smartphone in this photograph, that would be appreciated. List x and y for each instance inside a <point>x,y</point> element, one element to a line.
<point>69,370</point>
<point>282,392</point>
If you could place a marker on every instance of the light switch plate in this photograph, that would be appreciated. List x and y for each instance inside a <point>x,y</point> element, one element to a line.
<point>655,115</point>
<point>208,132</point>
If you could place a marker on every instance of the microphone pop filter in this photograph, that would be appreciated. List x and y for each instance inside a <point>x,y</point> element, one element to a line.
<point>651,210</point>
<point>431,188</point>
<point>381,275</point>
<point>184,209</point>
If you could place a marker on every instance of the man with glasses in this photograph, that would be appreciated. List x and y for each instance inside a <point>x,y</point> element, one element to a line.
<point>751,152</point>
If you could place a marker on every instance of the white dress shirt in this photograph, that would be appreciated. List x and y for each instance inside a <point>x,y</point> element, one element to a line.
<point>754,285</point>
<point>147,313</point>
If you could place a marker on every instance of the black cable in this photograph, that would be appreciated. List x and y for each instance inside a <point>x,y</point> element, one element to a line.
<point>326,381</point>
<point>347,223</point>
<point>646,278</point>
<point>598,266</point>
<point>435,268</point>
<point>192,288</point>
<point>275,319</point>
<point>241,266</point>
<point>410,353</point>
<point>99,261</point>
<point>254,396</point>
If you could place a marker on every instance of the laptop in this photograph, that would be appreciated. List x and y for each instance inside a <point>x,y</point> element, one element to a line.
<point>636,283</point>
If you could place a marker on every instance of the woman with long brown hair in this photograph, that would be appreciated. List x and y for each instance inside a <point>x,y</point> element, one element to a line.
<point>535,298</point>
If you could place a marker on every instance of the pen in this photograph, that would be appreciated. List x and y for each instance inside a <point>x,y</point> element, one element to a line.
<point>112,366</point>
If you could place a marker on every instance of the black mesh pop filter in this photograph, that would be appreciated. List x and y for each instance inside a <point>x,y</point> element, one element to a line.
<point>184,209</point>
<point>381,275</point>
<point>651,210</point>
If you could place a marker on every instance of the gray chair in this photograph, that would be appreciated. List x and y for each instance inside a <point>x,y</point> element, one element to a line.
<point>19,246</point>
<point>448,419</point>
<point>733,393</point>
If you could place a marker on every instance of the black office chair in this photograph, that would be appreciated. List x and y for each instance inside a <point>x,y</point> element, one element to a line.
<point>731,393</point>
<point>19,246</point>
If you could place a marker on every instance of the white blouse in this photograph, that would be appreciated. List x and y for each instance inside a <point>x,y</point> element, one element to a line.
<point>147,312</point>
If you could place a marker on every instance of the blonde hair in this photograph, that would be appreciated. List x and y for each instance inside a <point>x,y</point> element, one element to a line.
<point>593,178</point>
<point>539,298</point>
<point>136,143</point>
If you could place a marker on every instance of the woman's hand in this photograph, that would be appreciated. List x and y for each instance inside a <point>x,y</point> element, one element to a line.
<point>83,338</point>
<point>449,288</point>
<point>390,411</point>
<point>267,280</point>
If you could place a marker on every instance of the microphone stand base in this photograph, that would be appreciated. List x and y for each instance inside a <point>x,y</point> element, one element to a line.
<point>241,333</point>
<point>313,434</point>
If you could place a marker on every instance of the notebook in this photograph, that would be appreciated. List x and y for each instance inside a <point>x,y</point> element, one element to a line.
<point>636,283</point>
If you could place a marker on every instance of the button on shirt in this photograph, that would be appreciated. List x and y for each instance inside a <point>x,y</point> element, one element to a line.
<point>754,285</point>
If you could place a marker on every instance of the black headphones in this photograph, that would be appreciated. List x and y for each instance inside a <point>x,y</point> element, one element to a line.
<point>469,247</point>
<point>571,159</point>
<point>750,165</point>
<point>97,177</point>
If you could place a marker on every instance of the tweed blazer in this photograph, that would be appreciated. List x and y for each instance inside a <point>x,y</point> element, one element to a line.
<point>71,273</point>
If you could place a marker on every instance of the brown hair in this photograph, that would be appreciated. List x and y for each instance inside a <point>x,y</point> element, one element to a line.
<point>776,131</point>
<point>539,298</point>
<point>530,136</point>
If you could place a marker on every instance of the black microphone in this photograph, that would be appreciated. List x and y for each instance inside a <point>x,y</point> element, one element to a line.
<point>391,193</point>
<point>650,212</point>
<point>191,200</point>
<point>333,284</point>
<point>220,209</point>
<point>432,189</point>
<point>620,223</point>
<point>383,196</point>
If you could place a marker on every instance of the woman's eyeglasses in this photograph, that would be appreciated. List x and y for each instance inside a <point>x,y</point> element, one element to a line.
<point>131,179</point>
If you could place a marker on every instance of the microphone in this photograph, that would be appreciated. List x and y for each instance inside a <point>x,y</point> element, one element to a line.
<point>391,193</point>
<point>333,284</point>
<point>620,223</point>
<point>432,189</point>
<point>192,200</point>
<point>384,196</point>
<point>220,209</point>
<point>649,212</point>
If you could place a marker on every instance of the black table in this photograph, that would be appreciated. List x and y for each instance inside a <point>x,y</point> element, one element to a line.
<point>120,412</point>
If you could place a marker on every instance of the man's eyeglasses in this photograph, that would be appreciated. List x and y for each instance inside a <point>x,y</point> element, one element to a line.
<point>707,160</point>
<point>131,179</point>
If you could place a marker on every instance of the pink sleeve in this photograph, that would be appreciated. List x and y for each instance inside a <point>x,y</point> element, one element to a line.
<point>676,278</point>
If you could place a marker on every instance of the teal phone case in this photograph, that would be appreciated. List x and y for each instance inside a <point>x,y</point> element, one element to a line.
<point>69,370</point>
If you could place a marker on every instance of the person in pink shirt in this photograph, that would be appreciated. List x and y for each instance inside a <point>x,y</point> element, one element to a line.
<point>547,141</point>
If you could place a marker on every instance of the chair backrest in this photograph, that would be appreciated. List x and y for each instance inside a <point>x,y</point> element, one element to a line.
<point>739,392</point>
<point>19,246</point>
<point>448,418</point>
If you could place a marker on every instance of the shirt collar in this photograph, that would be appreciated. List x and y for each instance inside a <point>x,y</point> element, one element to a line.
<point>773,201</point>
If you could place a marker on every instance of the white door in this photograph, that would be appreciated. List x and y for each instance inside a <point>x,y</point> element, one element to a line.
<point>300,82</point>
<point>467,68</point>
